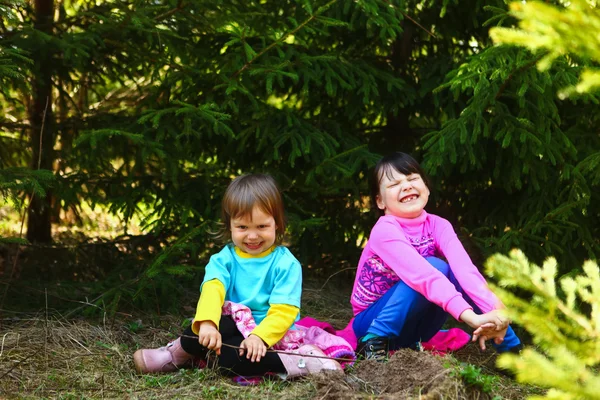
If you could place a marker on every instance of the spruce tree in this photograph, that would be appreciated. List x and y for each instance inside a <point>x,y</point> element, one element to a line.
<point>517,162</point>
<point>562,315</point>
<point>155,105</point>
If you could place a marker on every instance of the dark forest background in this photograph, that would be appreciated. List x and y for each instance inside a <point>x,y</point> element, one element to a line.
<point>143,111</point>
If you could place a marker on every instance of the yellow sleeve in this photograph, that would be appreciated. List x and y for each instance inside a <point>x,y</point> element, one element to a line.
<point>210,304</point>
<point>279,319</point>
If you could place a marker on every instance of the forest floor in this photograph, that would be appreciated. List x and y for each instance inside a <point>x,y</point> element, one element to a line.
<point>55,356</point>
<point>59,340</point>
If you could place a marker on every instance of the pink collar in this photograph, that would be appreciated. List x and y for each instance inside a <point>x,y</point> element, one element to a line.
<point>409,221</point>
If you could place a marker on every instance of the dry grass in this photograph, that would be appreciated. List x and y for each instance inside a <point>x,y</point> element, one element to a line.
<point>52,357</point>
<point>48,356</point>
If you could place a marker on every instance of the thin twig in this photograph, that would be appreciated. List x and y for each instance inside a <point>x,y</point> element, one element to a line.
<point>46,334</point>
<point>416,23</point>
<point>3,339</point>
<point>326,393</point>
<point>279,351</point>
<point>409,18</point>
<point>76,341</point>
<point>39,163</point>
<point>179,7</point>
<point>27,357</point>
<point>335,273</point>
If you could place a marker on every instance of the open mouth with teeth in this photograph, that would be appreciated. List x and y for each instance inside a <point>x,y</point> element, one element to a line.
<point>409,198</point>
<point>253,246</point>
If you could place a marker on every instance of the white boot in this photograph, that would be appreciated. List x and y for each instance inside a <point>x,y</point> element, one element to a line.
<point>298,365</point>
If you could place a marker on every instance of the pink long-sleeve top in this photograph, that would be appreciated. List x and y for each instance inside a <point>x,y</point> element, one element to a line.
<point>396,250</point>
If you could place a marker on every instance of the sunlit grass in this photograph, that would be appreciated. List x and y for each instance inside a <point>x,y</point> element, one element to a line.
<point>84,222</point>
<point>10,219</point>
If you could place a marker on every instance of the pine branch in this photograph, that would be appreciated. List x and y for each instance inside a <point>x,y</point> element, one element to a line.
<point>512,75</point>
<point>319,11</point>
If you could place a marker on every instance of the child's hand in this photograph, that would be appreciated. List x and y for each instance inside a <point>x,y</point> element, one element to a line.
<point>490,331</point>
<point>495,328</point>
<point>491,325</point>
<point>255,348</point>
<point>494,322</point>
<point>209,336</point>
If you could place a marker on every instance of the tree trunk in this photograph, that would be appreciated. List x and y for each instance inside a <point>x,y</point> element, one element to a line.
<point>42,125</point>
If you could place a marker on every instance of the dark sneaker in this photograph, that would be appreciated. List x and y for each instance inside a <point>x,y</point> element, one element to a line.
<point>515,349</point>
<point>417,346</point>
<point>375,348</point>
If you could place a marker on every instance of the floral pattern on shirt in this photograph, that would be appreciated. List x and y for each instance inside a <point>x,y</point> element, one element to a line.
<point>374,280</point>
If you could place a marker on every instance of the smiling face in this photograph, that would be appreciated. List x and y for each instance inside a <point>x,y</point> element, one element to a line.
<point>402,195</point>
<point>254,233</point>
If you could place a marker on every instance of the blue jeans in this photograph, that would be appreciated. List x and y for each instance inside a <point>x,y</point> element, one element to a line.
<point>406,317</point>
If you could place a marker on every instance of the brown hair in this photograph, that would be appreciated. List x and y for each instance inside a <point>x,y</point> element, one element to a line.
<point>247,191</point>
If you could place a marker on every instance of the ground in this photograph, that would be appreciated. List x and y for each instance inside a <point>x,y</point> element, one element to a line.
<point>60,340</point>
<point>45,357</point>
<point>52,355</point>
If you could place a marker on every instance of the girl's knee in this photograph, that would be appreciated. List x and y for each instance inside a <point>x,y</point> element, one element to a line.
<point>439,264</point>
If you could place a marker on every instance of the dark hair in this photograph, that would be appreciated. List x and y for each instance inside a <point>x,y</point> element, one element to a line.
<point>247,191</point>
<point>398,161</point>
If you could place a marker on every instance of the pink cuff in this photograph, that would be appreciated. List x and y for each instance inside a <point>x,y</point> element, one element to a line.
<point>457,306</point>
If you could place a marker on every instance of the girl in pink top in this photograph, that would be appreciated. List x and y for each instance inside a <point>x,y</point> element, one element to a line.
<point>403,291</point>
